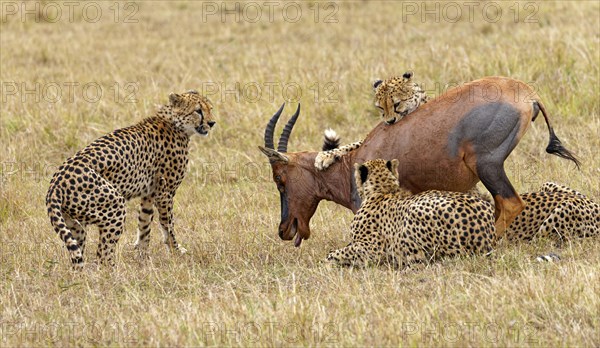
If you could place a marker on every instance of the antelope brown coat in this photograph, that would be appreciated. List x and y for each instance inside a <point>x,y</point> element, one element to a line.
<point>450,143</point>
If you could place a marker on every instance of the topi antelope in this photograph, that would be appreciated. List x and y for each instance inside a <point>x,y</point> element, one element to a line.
<point>450,143</point>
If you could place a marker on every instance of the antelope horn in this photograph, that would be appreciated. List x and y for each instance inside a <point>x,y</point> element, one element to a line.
<point>271,127</point>
<point>287,130</point>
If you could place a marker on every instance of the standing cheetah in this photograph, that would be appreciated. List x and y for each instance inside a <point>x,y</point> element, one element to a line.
<point>396,227</point>
<point>147,160</point>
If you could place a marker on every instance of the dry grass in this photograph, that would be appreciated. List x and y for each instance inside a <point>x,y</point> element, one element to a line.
<point>241,285</point>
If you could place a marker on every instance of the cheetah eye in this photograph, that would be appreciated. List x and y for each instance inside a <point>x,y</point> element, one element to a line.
<point>199,111</point>
<point>396,105</point>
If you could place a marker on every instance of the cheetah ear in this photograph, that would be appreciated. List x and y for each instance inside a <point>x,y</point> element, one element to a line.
<point>363,172</point>
<point>174,99</point>
<point>407,75</point>
<point>377,83</point>
<point>393,166</point>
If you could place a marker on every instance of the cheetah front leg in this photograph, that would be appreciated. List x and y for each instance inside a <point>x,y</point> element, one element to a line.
<point>357,254</point>
<point>325,159</point>
<point>146,213</point>
<point>353,254</point>
<point>165,210</point>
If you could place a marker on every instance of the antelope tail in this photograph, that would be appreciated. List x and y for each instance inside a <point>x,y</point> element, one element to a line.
<point>555,146</point>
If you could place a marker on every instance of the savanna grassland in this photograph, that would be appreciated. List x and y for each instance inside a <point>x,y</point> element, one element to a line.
<point>69,77</point>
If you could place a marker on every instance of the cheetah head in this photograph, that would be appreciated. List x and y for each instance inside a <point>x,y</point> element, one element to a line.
<point>398,96</point>
<point>376,176</point>
<point>191,112</point>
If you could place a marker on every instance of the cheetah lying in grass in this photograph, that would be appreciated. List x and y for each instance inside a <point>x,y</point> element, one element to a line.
<point>396,227</point>
<point>556,212</point>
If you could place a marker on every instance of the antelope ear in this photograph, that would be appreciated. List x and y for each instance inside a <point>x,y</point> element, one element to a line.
<point>174,99</point>
<point>393,166</point>
<point>273,155</point>
<point>377,83</point>
<point>407,75</point>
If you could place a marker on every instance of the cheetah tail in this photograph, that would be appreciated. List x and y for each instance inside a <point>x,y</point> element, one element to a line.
<point>552,257</point>
<point>331,140</point>
<point>54,203</point>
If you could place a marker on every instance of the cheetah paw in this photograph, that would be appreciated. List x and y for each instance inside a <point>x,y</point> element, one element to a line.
<point>332,257</point>
<point>141,251</point>
<point>324,160</point>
